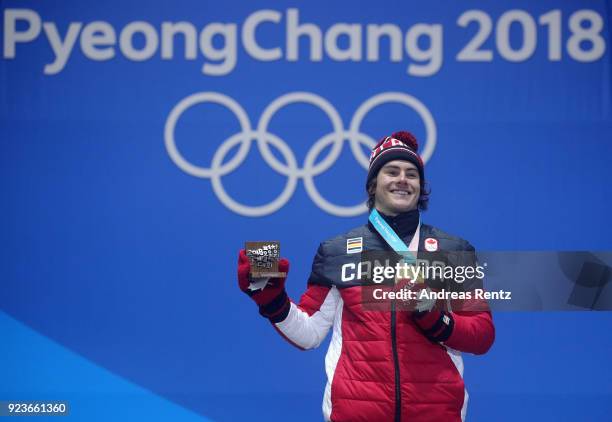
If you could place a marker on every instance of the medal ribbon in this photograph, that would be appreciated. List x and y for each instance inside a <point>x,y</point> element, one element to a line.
<point>396,243</point>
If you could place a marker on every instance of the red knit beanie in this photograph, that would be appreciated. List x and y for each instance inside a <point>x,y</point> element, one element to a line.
<point>399,146</point>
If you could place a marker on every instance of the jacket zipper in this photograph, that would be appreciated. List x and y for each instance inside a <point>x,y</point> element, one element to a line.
<point>398,394</point>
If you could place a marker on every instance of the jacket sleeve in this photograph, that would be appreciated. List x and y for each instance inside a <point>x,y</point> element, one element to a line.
<point>466,324</point>
<point>308,322</point>
<point>473,332</point>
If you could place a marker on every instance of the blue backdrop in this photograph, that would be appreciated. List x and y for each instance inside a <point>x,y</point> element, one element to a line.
<point>143,143</point>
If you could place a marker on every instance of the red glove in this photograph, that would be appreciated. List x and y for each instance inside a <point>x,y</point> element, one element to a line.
<point>434,322</point>
<point>271,298</point>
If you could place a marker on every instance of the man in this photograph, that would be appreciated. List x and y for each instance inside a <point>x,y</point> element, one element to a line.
<point>385,365</point>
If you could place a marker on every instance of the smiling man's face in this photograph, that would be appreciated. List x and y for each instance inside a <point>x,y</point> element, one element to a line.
<point>398,187</point>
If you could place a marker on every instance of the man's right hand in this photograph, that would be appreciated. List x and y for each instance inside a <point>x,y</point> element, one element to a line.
<point>271,297</point>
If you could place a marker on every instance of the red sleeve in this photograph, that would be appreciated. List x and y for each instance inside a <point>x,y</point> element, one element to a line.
<point>473,332</point>
<point>313,298</point>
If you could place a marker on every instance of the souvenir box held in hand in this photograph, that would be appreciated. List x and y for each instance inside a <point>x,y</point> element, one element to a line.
<point>264,256</point>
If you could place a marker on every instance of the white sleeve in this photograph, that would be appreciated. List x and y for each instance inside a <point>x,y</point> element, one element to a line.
<point>308,322</point>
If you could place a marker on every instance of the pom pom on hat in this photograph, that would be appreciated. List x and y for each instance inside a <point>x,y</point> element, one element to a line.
<point>407,138</point>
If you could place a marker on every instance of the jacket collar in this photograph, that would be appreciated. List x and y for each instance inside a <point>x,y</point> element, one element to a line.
<point>404,224</point>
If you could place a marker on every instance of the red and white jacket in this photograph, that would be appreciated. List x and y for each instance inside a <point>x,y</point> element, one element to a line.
<point>380,366</point>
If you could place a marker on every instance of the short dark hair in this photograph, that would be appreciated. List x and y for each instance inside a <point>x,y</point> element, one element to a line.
<point>423,198</point>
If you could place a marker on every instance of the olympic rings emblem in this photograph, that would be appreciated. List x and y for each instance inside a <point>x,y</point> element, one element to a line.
<point>289,168</point>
